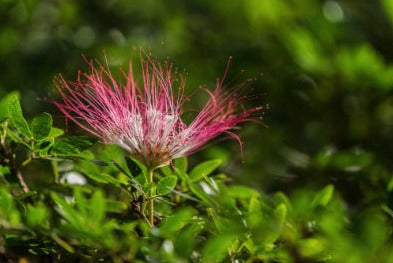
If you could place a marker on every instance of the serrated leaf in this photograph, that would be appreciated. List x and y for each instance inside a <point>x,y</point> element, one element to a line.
<point>166,184</point>
<point>133,166</point>
<point>72,145</point>
<point>16,116</point>
<point>204,169</point>
<point>323,197</point>
<point>41,126</point>
<point>4,105</point>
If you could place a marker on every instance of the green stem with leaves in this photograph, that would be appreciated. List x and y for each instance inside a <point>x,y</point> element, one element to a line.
<point>150,173</point>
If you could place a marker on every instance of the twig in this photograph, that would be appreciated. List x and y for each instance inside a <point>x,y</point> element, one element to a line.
<point>22,182</point>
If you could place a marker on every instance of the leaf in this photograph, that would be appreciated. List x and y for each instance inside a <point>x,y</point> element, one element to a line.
<point>166,184</point>
<point>115,206</point>
<point>7,207</point>
<point>15,137</point>
<point>147,187</point>
<point>4,105</point>
<point>133,167</point>
<point>103,178</point>
<point>199,193</point>
<point>16,116</point>
<point>216,248</point>
<point>323,197</point>
<point>66,210</point>
<point>81,202</point>
<point>243,192</point>
<point>181,164</point>
<point>97,206</point>
<point>273,232</point>
<point>41,126</point>
<point>175,222</point>
<point>55,132</point>
<point>36,215</point>
<point>62,243</point>
<point>141,179</point>
<point>72,145</point>
<point>204,169</point>
<point>280,214</point>
<point>166,170</point>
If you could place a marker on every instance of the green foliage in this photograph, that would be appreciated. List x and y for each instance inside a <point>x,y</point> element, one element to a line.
<point>72,145</point>
<point>166,184</point>
<point>204,169</point>
<point>327,71</point>
<point>41,126</point>
<point>16,117</point>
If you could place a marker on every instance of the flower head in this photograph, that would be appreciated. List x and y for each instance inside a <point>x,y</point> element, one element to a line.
<point>145,118</point>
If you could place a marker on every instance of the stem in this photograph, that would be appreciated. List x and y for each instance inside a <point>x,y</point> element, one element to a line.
<point>22,182</point>
<point>150,173</point>
<point>55,171</point>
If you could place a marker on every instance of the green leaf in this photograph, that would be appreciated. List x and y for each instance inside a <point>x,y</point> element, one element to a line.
<point>133,166</point>
<point>323,197</point>
<point>4,105</point>
<point>242,192</point>
<point>66,210</point>
<point>216,248</point>
<point>36,215</point>
<point>15,137</point>
<point>181,164</point>
<point>175,222</point>
<point>147,187</point>
<point>7,208</point>
<point>81,202</point>
<point>166,170</point>
<point>166,184</point>
<point>41,126</point>
<point>204,169</point>
<point>141,179</point>
<point>62,243</point>
<point>198,192</point>
<point>280,214</point>
<point>103,178</point>
<point>55,132</point>
<point>97,206</point>
<point>115,206</point>
<point>16,116</point>
<point>72,145</point>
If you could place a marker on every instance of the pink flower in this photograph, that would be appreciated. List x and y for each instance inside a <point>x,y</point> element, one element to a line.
<point>146,118</point>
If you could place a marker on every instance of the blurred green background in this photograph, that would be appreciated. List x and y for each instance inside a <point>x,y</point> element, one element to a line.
<point>324,67</point>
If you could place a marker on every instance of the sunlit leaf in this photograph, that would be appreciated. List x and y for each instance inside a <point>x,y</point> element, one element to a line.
<point>16,116</point>
<point>324,196</point>
<point>41,126</point>
<point>204,169</point>
<point>165,185</point>
<point>181,164</point>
